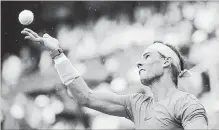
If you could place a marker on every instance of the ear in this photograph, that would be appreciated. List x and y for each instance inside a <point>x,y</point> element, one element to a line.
<point>167,62</point>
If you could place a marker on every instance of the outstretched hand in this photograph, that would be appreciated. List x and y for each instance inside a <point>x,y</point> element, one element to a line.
<point>46,41</point>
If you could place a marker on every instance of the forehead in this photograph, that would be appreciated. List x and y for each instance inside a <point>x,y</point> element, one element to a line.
<point>150,51</point>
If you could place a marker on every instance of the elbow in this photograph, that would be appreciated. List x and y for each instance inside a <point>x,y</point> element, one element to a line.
<point>84,102</point>
<point>80,91</point>
<point>81,100</point>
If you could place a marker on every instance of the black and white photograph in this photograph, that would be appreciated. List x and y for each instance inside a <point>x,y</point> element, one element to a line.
<point>92,65</point>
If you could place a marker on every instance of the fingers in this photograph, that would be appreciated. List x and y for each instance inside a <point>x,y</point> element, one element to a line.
<point>32,32</point>
<point>31,37</point>
<point>28,37</point>
<point>27,33</point>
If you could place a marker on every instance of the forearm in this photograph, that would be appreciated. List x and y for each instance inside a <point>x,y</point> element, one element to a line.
<point>80,91</point>
<point>72,79</point>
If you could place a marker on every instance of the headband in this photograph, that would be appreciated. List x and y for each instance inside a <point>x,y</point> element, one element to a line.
<point>167,52</point>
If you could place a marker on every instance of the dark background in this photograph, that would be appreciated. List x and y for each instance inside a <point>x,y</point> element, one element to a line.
<point>47,20</point>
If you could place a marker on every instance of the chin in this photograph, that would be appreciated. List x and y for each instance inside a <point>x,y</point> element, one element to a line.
<point>146,82</point>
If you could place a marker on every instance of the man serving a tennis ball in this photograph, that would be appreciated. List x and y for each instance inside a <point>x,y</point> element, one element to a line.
<point>160,66</point>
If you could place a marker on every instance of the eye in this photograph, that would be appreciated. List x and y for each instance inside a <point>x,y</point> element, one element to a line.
<point>146,56</point>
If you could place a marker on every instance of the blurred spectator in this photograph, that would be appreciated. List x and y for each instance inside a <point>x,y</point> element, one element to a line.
<point>105,49</point>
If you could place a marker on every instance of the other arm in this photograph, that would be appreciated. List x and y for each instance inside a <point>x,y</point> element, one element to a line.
<point>107,102</point>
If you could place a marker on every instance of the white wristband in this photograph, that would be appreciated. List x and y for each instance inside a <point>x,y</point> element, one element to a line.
<point>60,59</point>
<point>67,72</point>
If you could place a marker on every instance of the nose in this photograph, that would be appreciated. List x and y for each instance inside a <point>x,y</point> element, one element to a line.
<point>139,64</point>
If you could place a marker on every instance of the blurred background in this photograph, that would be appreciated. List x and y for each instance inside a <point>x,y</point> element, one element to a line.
<point>104,40</point>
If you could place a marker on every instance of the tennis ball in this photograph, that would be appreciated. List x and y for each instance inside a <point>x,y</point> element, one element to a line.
<point>26,17</point>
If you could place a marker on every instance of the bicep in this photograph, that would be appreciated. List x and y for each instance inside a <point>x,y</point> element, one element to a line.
<point>107,107</point>
<point>108,102</point>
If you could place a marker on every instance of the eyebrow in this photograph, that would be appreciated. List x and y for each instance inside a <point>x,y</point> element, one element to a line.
<point>146,54</point>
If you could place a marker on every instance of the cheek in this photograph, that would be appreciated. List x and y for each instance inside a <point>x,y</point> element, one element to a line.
<point>153,68</point>
<point>157,67</point>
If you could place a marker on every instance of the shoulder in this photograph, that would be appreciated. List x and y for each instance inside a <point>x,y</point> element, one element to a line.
<point>189,102</point>
<point>188,106</point>
<point>182,101</point>
<point>133,103</point>
<point>184,97</point>
<point>136,98</point>
<point>139,97</point>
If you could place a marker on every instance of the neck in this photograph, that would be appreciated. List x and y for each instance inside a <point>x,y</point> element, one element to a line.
<point>163,88</point>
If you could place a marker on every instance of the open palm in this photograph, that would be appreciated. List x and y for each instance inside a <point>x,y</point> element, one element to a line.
<point>47,41</point>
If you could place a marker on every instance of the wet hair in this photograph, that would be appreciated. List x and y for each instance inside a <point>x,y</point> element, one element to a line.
<point>174,71</point>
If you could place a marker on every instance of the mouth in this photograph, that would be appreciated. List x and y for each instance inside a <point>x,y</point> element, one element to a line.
<point>141,70</point>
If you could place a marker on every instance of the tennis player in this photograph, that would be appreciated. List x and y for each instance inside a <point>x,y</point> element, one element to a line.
<point>160,66</point>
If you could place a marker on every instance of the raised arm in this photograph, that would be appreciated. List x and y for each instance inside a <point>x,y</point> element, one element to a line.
<point>109,103</point>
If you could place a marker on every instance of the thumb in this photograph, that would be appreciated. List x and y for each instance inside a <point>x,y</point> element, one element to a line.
<point>46,35</point>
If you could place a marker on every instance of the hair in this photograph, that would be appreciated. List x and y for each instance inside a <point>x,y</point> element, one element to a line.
<point>174,72</point>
